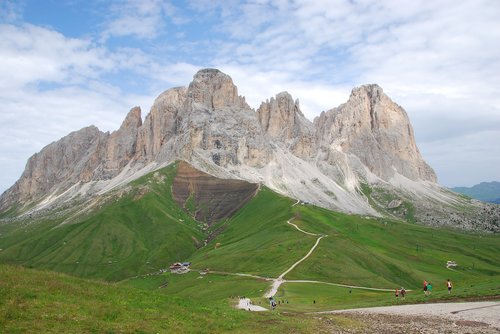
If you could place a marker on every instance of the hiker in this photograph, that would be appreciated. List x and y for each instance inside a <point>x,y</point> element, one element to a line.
<point>425,287</point>
<point>403,292</point>
<point>449,285</point>
<point>429,288</point>
<point>397,293</point>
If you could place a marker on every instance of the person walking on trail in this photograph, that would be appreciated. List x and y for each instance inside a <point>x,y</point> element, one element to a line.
<point>449,285</point>
<point>403,292</point>
<point>429,288</point>
<point>425,287</point>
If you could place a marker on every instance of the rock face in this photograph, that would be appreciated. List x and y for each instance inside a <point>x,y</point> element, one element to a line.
<point>210,198</point>
<point>282,120</point>
<point>214,90</point>
<point>377,131</point>
<point>366,142</point>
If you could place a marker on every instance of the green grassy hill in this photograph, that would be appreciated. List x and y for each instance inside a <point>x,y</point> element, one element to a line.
<point>131,232</point>
<point>375,253</point>
<point>140,229</point>
<point>33,301</point>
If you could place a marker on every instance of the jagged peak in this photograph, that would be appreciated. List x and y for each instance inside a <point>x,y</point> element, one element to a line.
<point>374,92</point>
<point>368,88</point>
<point>214,89</point>
<point>208,73</point>
<point>133,119</point>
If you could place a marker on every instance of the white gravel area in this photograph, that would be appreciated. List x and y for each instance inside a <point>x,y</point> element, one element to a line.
<point>246,304</point>
<point>486,312</point>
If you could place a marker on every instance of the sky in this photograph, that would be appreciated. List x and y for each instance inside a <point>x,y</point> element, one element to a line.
<point>65,65</point>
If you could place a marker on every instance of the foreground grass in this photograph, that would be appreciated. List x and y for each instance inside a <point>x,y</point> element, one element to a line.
<point>34,301</point>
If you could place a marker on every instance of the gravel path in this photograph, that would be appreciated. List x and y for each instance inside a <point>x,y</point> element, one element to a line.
<point>478,312</point>
<point>246,304</point>
<point>278,281</point>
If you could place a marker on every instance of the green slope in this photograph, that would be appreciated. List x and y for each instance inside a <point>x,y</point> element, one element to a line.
<point>357,251</point>
<point>375,253</point>
<point>33,301</point>
<point>256,240</point>
<point>139,231</point>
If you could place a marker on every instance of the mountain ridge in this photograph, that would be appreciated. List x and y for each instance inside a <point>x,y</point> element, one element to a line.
<point>484,191</point>
<point>366,141</point>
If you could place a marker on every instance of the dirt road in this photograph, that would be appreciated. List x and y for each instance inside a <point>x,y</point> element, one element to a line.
<point>479,312</point>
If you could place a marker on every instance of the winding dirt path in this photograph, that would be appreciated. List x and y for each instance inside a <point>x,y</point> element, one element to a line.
<point>278,281</point>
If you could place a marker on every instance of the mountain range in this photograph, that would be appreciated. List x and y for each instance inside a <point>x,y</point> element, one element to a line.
<point>484,191</point>
<point>360,157</point>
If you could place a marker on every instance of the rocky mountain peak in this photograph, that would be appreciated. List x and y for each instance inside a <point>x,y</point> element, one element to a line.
<point>133,119</point>
<point>213,89</point>
<point>376,130</point>
<point>279,115</point>
<point>281,119</point>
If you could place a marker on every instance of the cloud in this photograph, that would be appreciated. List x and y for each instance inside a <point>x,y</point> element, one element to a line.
<point>30,54</point>
<point>11,11</point>
<point>465,160</point>
<point>51,85</point>
<point>142,19</point>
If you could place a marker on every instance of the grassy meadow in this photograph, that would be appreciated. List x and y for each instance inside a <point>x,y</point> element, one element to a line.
<point>130,235</point>
<point>139,231</point>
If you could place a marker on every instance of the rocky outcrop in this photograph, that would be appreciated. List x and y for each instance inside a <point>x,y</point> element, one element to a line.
<point>213,89</point>
<point>209,198</point>
<point>161,124</point>
<point>121,144</point>
<point>283,121</point>
<point>58,166</point>
<point>376,131</point>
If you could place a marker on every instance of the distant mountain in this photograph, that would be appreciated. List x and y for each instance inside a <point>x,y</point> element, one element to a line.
<point>484,191</point>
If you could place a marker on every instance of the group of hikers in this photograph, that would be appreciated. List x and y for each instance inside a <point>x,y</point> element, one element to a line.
<point>401,292</point>
<point>273,303</point>
<point>427,289</point>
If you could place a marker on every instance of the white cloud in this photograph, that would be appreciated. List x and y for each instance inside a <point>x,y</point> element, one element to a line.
<point>31,54</point>
<point>142,19</point>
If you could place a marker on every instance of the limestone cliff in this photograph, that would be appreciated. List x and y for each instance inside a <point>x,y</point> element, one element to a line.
<point>376,130</point>
<point>282,120</point>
